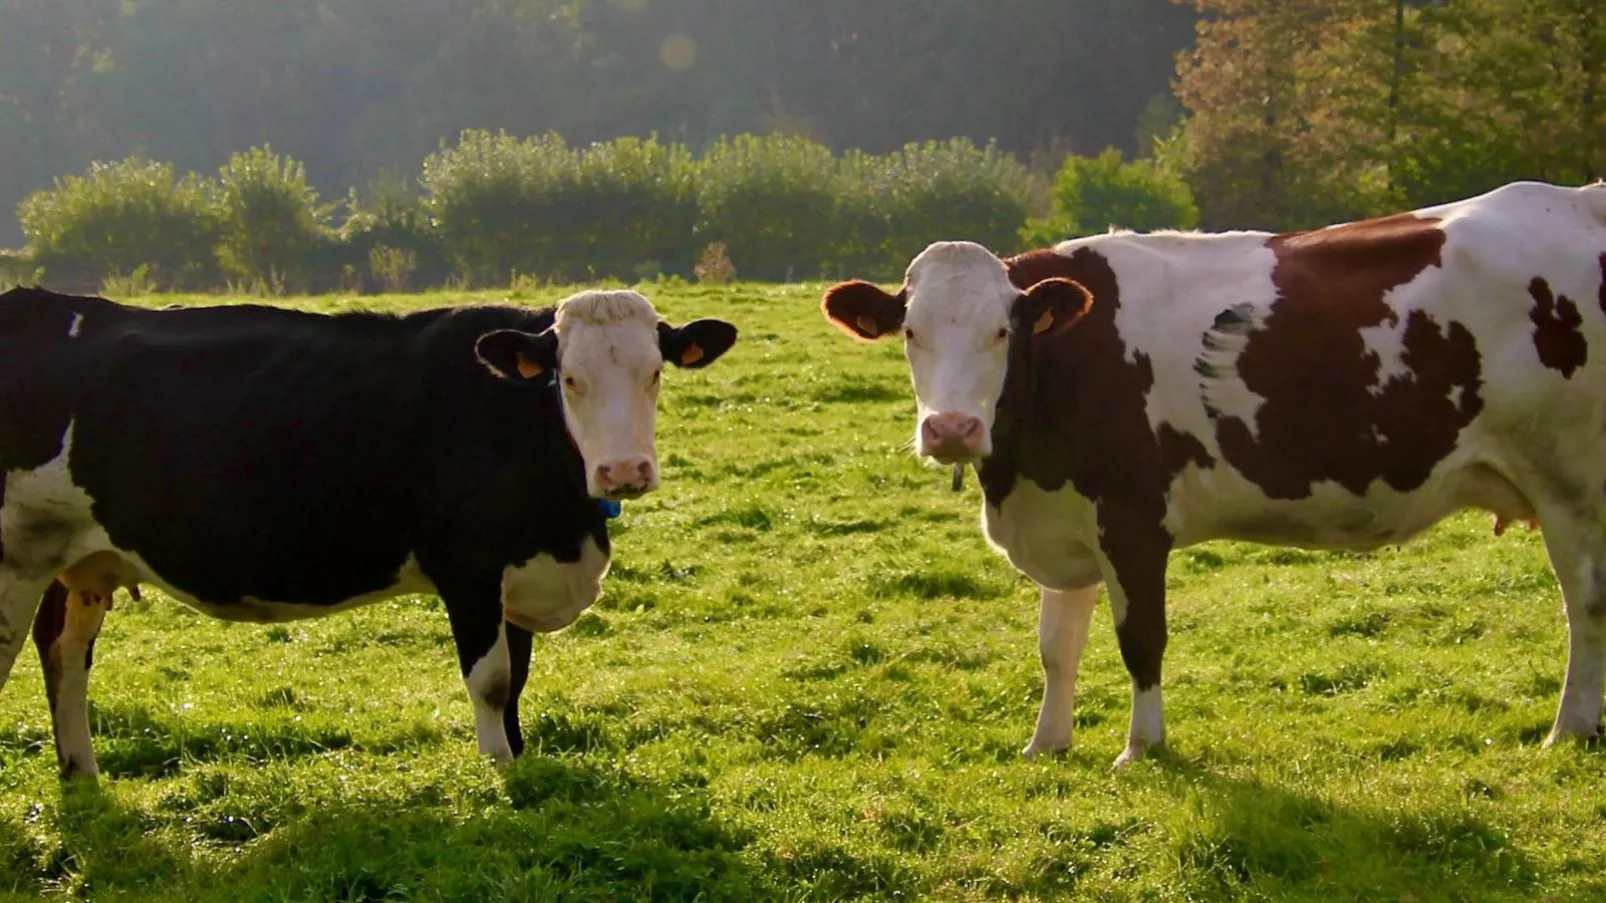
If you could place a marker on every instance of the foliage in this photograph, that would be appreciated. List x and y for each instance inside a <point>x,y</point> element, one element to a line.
<point>714,267</point>
<point>1306,112</point>
<point>772,201</point>
<point>120,216</point>
<point>1092,194</point>
<point>809,679</point>
<point>272,222</point>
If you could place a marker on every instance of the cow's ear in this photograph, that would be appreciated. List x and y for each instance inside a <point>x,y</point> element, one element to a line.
<point>1051,306</point>
<point>697,344</point>
<point>864,311</point>
<point>516,355</point>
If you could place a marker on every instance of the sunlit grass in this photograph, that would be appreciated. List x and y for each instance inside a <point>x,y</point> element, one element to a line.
<point>810,680</point>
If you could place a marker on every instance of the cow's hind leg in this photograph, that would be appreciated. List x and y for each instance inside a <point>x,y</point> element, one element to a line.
<point>19,600</point>
<point>1061,636</point>
<point>519,645</point>
<point>1577,549</point>
<point>64,632</point>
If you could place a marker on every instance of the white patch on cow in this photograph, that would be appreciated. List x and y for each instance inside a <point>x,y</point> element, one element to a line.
<point>491,676</point>
<point>77,321</point>
<point>45,516</point>
<point>544,595</point>
<point>1172,288</point>
<point>1386,342</point>
<point>1048,536</point>
<point>954,332</point>
<point>609,364</point>
<point>1147,727</point>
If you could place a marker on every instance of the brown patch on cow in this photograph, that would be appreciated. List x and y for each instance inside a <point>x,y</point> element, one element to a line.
<point>1603,283</point>
<point>1073,411</point>
<point>497,692</point>
<point>1179,449</point>
<point>1560,344</point>
<point>1325,415</point>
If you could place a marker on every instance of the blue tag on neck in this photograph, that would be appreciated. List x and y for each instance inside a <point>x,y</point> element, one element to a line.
<point>610,508</point>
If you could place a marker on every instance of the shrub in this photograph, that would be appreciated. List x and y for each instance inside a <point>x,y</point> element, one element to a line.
<point>272,222</point>
<point>388,230</point>
<point>633,202</point>
<point>1092,194</point>
<point>772,200</point>
<point>714,267</point>
<point>119,216</point>
<point>937,190</point>
<point>489,200</point>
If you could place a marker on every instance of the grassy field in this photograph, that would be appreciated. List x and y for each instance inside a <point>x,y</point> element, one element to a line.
<point>809,679</point>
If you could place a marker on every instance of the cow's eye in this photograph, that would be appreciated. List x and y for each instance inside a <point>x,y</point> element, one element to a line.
<point>655,374</point>
<point>910,335</point>
<point>569,382</point>
<point>1003,333</point>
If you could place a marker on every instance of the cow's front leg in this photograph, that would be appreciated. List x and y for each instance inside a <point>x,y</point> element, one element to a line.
<point>482,653</point>
<point>1136,581</point>
<point>1062,630</point>
<point>519,643</point>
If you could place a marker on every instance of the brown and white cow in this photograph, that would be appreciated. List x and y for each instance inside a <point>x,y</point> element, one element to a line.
<point>1345,388</point>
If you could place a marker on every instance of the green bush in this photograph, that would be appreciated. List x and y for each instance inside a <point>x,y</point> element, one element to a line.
<point>937,190</point>
<point>489,198</point>
<point>772,201</point>
<point>1092,194</point>
<point>120,216</point>
<point>631,208</point>
<point>387,225</point>
<point>273,230</point>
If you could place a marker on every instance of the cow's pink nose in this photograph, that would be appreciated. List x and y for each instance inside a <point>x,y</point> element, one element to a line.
<point>625,476</point>
<point>951,435</point>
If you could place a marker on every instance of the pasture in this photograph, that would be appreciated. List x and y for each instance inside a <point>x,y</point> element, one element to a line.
<point>810,679</point>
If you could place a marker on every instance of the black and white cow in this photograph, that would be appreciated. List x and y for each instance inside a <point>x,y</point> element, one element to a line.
<point>262,464</point>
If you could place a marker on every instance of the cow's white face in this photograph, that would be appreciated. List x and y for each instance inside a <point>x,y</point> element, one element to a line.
<point>958,312</point>
<point>609,350</point>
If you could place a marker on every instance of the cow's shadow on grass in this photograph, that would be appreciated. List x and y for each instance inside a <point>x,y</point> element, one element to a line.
<point>1251,837</point>
<point>556,828</point>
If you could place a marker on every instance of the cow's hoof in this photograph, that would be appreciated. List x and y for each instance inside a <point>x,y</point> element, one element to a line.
<point>1560,735</point>
<point>1036,750</point>
<point>1133,753</point>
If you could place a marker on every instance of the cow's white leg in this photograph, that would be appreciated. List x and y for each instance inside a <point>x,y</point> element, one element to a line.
<point>475,611</point>
<point>1136,584</point>
<point>1062,630</point>
<point>19,600</point>
<point>64,631</point>
<point>1578,555</point>
<point>489,682</point>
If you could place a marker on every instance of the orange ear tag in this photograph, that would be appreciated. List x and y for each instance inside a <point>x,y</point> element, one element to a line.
<point>1043,323</point>
<point>527,368</point>
<point>691,355</point>
<point>868,326</point>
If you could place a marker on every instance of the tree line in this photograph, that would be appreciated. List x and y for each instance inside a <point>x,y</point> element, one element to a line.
<point>1277,114</point>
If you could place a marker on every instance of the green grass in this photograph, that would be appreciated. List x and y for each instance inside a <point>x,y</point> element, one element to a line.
<point>809,679</point>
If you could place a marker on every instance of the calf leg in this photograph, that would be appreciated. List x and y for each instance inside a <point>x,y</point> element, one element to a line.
<point>1578,555</point>
<point>64,632</point>
<point>1062,631</point>
<point>482,653</point>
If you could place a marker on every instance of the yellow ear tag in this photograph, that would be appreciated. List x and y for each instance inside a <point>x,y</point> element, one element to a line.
<point>527,368</point>
<point>691,355</point>
<point>868,326</point>
<point>1043,323</point>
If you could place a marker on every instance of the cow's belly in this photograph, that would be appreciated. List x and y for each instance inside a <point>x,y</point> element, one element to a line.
<point>1048,536</point>
<point>544,594</point>
<point>1334,518</point>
